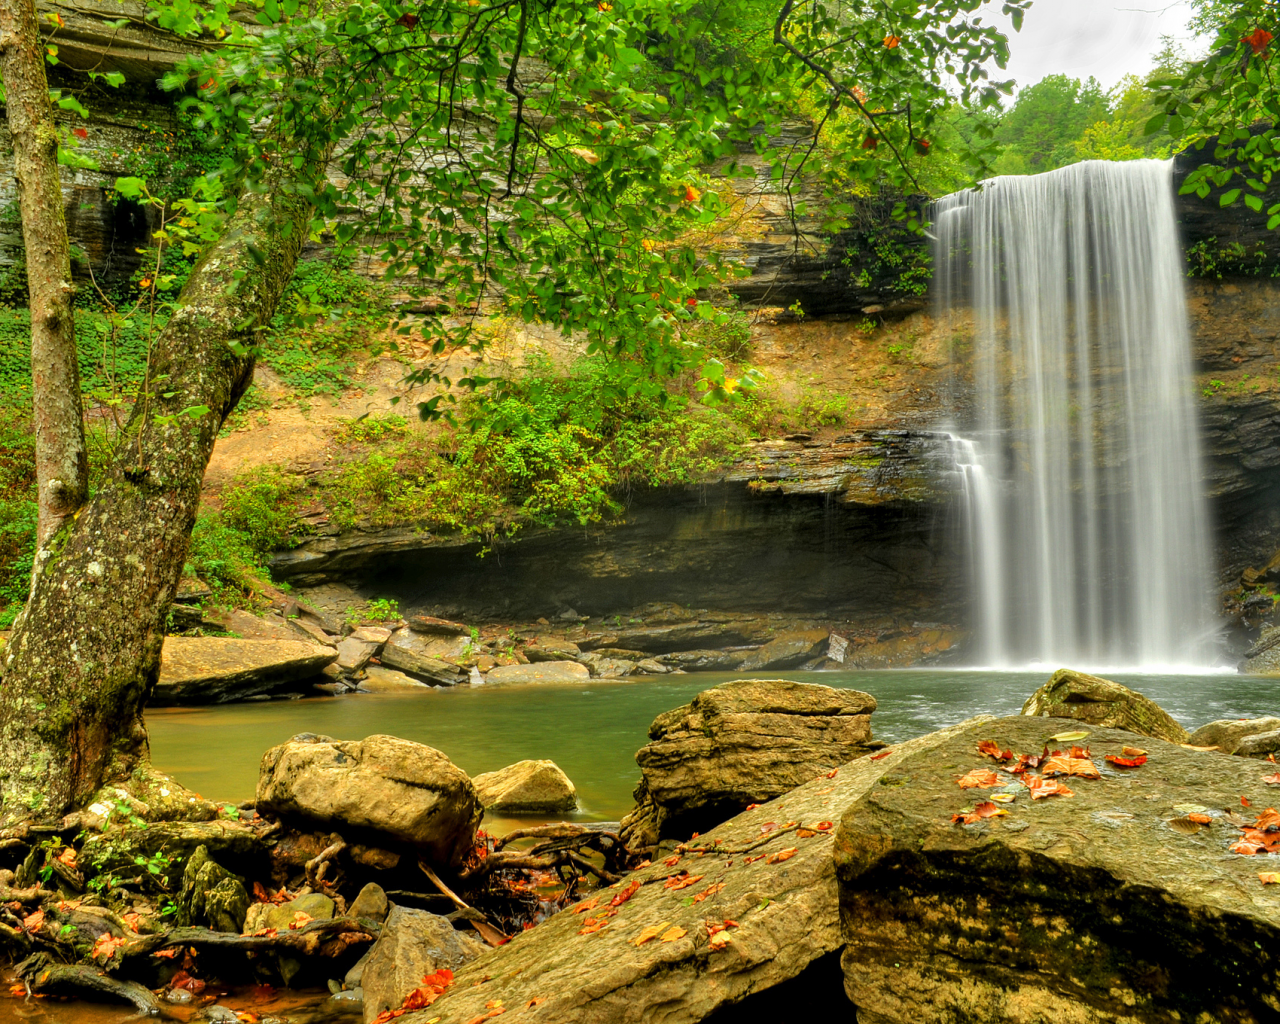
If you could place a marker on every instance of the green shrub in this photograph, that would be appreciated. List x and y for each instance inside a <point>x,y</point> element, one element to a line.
<point>225,558</point>
<point>261,504</point>
<point>17,554</point>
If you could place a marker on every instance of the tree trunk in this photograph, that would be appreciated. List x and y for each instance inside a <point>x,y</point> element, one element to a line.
<point>62,468</point>
<point>85,653</point>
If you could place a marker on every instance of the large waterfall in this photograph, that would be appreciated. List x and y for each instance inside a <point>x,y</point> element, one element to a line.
<point>1080,452</point>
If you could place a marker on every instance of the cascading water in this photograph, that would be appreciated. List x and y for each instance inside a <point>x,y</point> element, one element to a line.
<point>1081,455</point>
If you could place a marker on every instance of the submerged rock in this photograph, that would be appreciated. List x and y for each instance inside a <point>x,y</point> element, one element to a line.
<point>1112,905</point>
<point>741,743</point>
<point>1100,702</point>
<point>540,672</point>
<point>413,944</point>
<point>1246,736</point>
<point>217,670</point>
<point>526,787</point>
<point>406,791</point>
<point>590,968</point>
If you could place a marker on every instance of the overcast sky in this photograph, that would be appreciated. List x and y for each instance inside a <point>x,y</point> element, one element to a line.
<point>1107,39</point>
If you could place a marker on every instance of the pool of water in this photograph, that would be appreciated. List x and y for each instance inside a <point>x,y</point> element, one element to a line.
<point>593,730</point>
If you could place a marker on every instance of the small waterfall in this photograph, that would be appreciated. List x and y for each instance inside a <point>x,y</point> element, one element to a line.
<point>1080,456</point>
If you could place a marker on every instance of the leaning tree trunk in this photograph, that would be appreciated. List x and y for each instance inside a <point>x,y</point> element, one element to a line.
<point>62,468</point>
<point>85,653</point>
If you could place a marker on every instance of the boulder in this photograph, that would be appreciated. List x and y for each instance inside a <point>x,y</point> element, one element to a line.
<point>549,648</point>
<point>607,668</point>
<point>405,791</point>
<point>585,968</point>
<point>354,653</point>
<point>1113,905</point>
<point>413,944</point>
<point>216,670</point>
<point>370,903</point>
<point>526,787</point>
<point>211,895</point>
<point>541,672</point>
<point>436,627</point>
<point>741,743</point>
<point>401,654</point>
<point>1263,658</point>
<point>1227,734</point>
<point>1100,702</point>
<point>787,650</point>
<point>387,680</point>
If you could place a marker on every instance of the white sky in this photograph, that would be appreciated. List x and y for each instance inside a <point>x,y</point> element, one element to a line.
<point>1107,39</point>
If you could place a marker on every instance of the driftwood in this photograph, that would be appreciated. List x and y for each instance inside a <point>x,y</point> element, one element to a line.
<point>41,974</point>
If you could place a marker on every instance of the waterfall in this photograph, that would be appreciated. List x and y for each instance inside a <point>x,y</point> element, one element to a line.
<point>1080,455</point>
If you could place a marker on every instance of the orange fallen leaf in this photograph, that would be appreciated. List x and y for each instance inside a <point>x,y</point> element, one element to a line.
<point>672,861</point>
<point>1244,802</point>
<point>833,773</point>
<point>166,954</point>
<point>986,809</point>
<point>1269,877</point>
<point>1200,819</point>
<point>781,855</point>
<point>585,905</point>
<point>68,857</point>
<point>991,749</point>
<point>710,890</point>
<point>497,1012</point>
<point>650,932</point>
<point>681,881</point>
<point>1272,780</point>
<point>17,991</point>
<point>1041,788</point>
<point>32,922</point>
<point>1079,767</point>
<point>105,946</point>
<point>822,826</point>
<point>752,807</point>
<point>805,833</point>
<point>299,919</point>
<point>671,934</point>
<point>1133,752</point>
<point>592,925</point>
<point>979,778</point>
<point>883,753</point>
<point>535,1001</point>
<point>1126,762</point>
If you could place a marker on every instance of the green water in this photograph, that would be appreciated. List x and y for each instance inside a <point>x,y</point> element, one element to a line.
<point>593,730</point>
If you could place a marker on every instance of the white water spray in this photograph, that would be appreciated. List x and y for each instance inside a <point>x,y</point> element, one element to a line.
<point>1081,461</point>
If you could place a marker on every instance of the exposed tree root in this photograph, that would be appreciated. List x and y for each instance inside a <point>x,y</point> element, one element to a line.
<point>41,974</point>
<point>562,847</point>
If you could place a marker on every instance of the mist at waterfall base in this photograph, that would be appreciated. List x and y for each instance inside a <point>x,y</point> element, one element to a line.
<point>1078,448</point>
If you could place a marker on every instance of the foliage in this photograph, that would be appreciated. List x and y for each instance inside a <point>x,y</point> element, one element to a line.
<point>577,219</point>
<point>378,609</point>
<point>1227,106</point>
<point>1210,258</point>
<point>888,258</point>
<point>1046,120</point>
<point>261,505</point>
<point>225,559</point>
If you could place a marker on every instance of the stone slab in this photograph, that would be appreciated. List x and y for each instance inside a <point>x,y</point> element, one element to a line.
<point>217,670</point>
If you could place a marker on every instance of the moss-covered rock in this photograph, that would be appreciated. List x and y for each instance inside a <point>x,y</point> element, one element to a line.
<point>1100,702</point>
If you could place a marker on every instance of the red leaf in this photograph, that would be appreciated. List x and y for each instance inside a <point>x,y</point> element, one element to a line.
<point>871,142</point>
<point>891,42</point>
<point>1258,40</point>
<point>991,749</point>
<point>407,20</point>
<point>1126,762</point>
<point>79,133</point>
<point>1272,780</point>
<point>626,894</point>
<point>1244,802</point>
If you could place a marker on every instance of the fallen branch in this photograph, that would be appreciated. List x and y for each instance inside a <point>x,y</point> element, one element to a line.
<point>35,893</point>
<point>318,865</point>
<point>487,931</point>
<point>42,975</point>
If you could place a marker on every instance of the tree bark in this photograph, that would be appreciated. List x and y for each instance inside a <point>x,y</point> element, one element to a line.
<point>85,653</point>
<point>62,467</point>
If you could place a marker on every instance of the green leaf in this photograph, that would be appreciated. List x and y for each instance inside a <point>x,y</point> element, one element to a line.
<point>1228,198</point>
<point>1254,203</point>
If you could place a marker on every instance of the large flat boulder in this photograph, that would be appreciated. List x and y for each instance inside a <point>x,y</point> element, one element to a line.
<point>1100,702</point>
<point>218,670</point>
<point>404,791</point>
<point>741,743</point>
<point>1120,903</point>
<point>409,654</point>
<point>791,649</point>
<point>412,944</point>
<point>527,787</point>
<point>776,881</point>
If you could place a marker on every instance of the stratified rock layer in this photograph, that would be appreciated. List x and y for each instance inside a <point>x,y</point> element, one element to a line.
<point>784,904</point>
<point>216,670</point>
<point>737,744</point>
<point>404,791</point>
<point>1086,909</point>
<point>1100,702</point>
